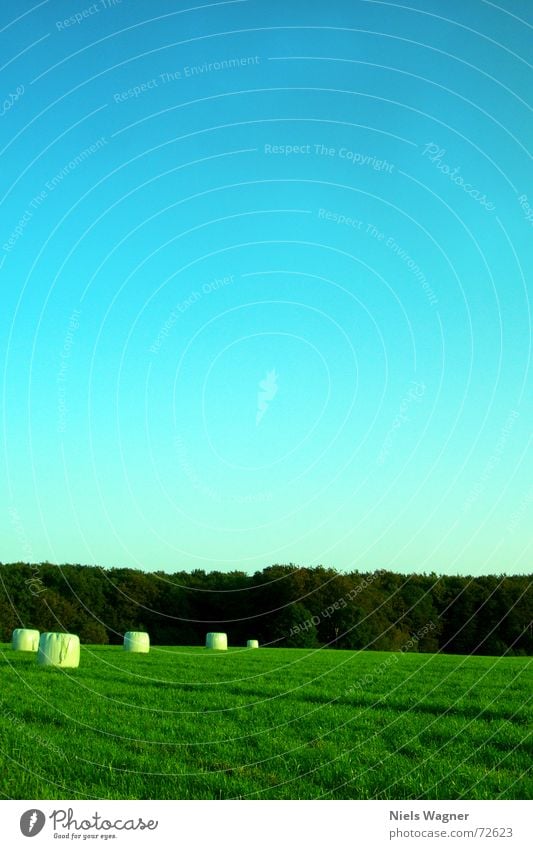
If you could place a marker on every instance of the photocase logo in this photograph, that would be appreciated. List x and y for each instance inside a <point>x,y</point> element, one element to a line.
<point>267,391</point>
<point>32,822</point>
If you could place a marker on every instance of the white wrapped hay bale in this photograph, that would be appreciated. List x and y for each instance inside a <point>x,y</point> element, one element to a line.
<point>25,639</point>
<point>216,640</point>
<point>59,650</point>
<point>252,644</point>
<point>137,641</point>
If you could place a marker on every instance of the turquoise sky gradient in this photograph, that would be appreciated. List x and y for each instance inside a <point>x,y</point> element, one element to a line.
<point>335,195</point>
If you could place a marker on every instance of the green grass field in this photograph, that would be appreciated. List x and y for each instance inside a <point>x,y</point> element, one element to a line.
<point>274,723</point>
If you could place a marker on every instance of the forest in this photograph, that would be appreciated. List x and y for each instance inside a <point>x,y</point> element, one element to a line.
<point>281,605</point>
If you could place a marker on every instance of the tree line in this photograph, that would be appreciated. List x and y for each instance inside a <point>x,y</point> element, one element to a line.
<point>281,605</point>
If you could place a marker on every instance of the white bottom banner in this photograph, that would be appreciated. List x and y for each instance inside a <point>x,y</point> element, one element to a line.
<point>258,825</point>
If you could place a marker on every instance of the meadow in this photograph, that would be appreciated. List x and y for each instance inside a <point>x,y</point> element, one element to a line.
<point>187,723</point>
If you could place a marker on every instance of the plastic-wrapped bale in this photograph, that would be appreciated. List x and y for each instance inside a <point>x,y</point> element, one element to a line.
<point>215,640</point>
<point>137,641</point>
<point>59,650</point>
<point>25,639</point>
<point>252,644</point>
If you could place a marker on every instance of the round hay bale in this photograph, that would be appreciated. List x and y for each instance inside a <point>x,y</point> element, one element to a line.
<point>137,641</point>
<point>59,650</point>
<point>216,640</point>
<point>25,639</point>
<point>252,644</point>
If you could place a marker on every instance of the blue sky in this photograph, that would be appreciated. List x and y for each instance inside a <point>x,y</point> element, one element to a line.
<point>265,278</point>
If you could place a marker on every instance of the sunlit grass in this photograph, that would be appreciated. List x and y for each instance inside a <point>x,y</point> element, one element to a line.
<point>274,723</point>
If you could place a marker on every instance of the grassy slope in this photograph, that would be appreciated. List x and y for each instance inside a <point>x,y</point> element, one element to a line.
<point>273,723</point>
